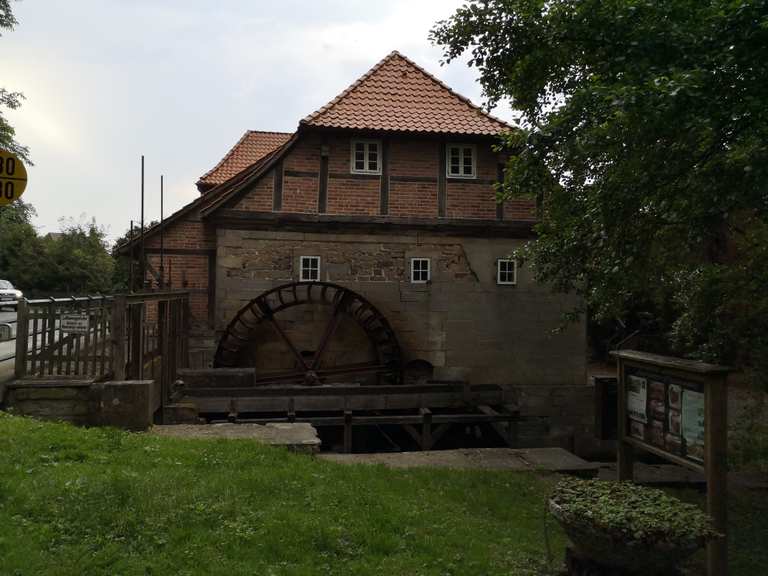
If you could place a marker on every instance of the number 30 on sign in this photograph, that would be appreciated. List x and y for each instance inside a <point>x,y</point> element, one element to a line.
<point>13,177</point>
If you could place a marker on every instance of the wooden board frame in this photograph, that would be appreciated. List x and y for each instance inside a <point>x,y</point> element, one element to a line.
<point>712,379</point>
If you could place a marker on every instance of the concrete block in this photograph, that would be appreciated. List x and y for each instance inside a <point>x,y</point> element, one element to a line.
<point>129,404</point>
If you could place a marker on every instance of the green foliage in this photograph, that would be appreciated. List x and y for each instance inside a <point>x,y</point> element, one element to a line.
<point>651,117</point>
<point>76,501</point>
<point>73,261</point>
<point>10,100</point>
<point>629,511</point>
<point>80,260</point>
<point>20,246</point>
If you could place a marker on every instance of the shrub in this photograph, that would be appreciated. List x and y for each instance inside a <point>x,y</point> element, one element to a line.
<point>628,512</point>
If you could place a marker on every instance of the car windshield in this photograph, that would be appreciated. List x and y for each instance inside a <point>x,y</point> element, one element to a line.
<point>5,285</point>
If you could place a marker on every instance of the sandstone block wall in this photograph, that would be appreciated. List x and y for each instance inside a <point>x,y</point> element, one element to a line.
<point>462,323</point>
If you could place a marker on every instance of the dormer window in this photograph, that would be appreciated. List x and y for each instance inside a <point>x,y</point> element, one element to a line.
<point>366,157</point>
<point>460,161</point>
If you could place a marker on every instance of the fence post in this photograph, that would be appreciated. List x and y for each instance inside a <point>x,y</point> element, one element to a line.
<point>163,343</point>
<point>117,336</point>
<point>185,329</point>
<point>22,338</point>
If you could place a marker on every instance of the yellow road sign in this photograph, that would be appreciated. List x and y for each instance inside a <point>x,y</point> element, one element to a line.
<point>13,177</point>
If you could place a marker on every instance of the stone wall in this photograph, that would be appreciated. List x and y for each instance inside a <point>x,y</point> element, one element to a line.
<point>462,323</point>
<point>127,404</point>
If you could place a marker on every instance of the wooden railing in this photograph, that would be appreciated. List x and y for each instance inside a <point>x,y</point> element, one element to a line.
<point>125,337</point>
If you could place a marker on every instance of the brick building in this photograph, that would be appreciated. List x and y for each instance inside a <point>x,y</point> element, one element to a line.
<point>388,190</point>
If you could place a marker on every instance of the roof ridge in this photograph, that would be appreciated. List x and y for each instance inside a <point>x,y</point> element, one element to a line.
<point>227,156</point>
<point>236,146</point>
<point>396,54</point>
<point>349,88</point>
<point>227,189</point>
<point>269,132</point>
<point>451,90</point>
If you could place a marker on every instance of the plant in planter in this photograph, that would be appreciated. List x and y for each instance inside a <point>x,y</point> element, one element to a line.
<point>624,526</point>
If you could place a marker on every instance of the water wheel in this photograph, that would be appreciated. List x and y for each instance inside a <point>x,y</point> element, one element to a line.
<point>275,326</point>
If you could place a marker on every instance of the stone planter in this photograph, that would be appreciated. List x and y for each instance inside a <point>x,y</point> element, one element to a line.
<point>620,553</point>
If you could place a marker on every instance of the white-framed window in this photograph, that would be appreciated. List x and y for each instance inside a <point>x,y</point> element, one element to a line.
<point>309,269</point>
<point>461,161</point>
<point>420,272</point>
<point>506,271</point>
<point>366,157</point>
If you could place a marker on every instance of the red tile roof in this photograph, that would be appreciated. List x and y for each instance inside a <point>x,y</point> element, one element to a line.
<point>252,147</point>
<point>398,95</point>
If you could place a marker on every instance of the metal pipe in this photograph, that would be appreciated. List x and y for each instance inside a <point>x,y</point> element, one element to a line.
<point>131,260</point>
<point>143,254</point>
<point>162,253</point>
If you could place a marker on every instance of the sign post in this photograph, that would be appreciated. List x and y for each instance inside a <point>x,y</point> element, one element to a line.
<point>13,177</point>
<point>677,410</point>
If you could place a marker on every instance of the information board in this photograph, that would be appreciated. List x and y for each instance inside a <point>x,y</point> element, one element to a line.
<point>74,323</point>
<point>676,409</point>
<point>667,413</point>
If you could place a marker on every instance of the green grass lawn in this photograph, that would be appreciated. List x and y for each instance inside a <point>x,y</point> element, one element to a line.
<point>77,501</point>
<point>100,501</point>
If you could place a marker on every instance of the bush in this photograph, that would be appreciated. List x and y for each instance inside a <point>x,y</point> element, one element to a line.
<point>629,512</point>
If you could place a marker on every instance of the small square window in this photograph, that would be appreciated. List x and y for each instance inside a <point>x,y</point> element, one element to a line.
<point>365,157</point>
<point>506,271</point>
<point>310,269</point>
<point>420,273</point>
<point>461,161</point>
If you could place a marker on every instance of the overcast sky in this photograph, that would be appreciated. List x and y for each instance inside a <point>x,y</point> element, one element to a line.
<point>180,81</point>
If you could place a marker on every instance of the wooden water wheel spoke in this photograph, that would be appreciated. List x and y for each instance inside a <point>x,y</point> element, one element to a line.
<point>352,368</point>
<point>296,354</point>
<point>242,332</point>
<point>330,329</point>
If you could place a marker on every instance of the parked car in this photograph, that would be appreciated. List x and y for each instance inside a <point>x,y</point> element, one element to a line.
<point>9,294</point>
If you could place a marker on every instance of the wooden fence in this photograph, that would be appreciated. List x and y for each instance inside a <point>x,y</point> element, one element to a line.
<point>124,337</point>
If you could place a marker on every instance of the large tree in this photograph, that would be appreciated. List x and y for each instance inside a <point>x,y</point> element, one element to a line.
<point>653,118</point>
<point>10,100</point>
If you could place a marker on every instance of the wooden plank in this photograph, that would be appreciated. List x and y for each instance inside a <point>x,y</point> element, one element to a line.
<point>246,220</point>
<point>716,464</point>
<point>342,389</point>
<point>443,421</point>
<point>500,180</point>
<point>77,367</point>
<point>277,195</point>
<point>163,321</point>
<point>105,363</point>
<point>322,200</point>
<point>384,190</point>
<point>681,364</point>
<point>412,432</point>
<point>117,332</point>
<point>440,431</point>
<point>625,453</point>
<point>501,427</point>
<point>87,340</point>
<point>59,349</point>
<point>347,431</point>
<point>442,192</point>
<point>306,401</point>
<point>22,340</point>
<point>51,314</point>
<point>34,316</point>
<point>426,428</point>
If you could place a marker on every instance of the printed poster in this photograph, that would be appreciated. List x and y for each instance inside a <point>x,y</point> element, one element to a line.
<point>693,424</point>
<point>637,395</point>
